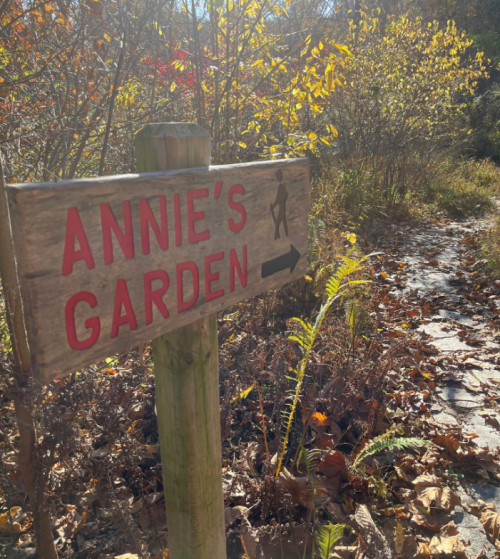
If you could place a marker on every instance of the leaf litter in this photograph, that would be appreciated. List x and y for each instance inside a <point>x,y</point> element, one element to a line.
<point>417,360</point>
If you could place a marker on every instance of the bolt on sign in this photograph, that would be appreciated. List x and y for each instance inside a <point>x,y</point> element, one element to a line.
<point>110,262</point>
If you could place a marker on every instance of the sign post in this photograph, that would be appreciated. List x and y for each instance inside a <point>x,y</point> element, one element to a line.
<point>107,263</point>
<point>186,365</point>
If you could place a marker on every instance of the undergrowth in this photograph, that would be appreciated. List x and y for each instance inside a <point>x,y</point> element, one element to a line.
<point>348,195</point>
<point>460,188</point>
<point>306,339</point>
<point>388,442</point>
<point>491,248</point>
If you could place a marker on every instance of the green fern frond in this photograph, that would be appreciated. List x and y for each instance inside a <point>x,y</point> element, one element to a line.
<point>352,312</point>
<point>388,443</point>
<point>326,537</point>
<point>311,459</point>
<point>307,337</point>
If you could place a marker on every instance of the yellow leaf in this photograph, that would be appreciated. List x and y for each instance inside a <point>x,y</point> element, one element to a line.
<point>173,85</point>
<point>400,539</point>
<point>107,37</point>
<point>351,237</point>
<point>244,394</point>
<point>320,46</point>
<point>329,77</point>
<point>319,419</point>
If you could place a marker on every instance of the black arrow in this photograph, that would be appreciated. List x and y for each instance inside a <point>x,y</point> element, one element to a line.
<point>288,260</point>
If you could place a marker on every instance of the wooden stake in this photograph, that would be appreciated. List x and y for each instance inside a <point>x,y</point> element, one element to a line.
<point>187,385</point>
<point>22,400</point>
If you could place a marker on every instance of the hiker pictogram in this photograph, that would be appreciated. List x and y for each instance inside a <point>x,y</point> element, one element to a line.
<point>281,198</point>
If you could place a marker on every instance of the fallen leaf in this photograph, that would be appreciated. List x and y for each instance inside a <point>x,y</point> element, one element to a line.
<point>232,514</point>
<point>333,465</point>
<point>423,551</point>
<point>400,539</point>
<point>427,480</point>
<point>301,491</point>
<point>11,524</point>
<point>493,421</point>
<point>319,419</point>
<point>136,507</point>
<point>438,497</point>
<point>432,493</point>
<point>488,516</point>
<point>452,444</point>
<point>448,543</point>
<point>370,533</point>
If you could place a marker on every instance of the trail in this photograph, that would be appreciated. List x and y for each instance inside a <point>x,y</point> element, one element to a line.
<point>434,270</point>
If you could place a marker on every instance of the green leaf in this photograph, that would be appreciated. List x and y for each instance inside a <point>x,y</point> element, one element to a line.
<point>326,537</point>
<point>385,442</point>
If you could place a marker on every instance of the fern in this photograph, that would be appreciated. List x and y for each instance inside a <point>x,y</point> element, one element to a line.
<point>352,312</point>
<point>311,460</point>
<point>326,537</point>
<point>307,337</point>
<point>387,442</point>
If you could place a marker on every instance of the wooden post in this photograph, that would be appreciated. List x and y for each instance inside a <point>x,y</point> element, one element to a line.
<point>187,385</point>
<point>22,400</point>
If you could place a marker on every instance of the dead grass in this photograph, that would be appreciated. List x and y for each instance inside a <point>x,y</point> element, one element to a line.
<point>460,188</point>
<point>491,248</point>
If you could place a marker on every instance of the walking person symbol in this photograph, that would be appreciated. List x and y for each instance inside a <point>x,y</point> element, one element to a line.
<point>281,198</point>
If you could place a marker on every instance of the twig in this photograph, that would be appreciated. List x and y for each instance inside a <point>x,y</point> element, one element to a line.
<point>114,93</point>
<point>263,420</point>
<point>244,547</point>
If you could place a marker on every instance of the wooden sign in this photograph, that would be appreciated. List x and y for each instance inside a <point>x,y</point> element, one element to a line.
<point>107,263</point>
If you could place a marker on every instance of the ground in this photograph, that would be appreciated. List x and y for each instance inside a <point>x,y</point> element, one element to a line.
<point>419,362</point>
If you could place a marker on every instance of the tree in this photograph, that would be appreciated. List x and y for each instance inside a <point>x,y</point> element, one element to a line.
<point>403,101</point>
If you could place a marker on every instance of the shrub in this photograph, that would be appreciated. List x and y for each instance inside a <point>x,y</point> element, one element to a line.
<point>403,101</point>
<point>485,116</point>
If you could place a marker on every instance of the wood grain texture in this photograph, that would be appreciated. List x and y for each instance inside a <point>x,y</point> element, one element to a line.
<point>187,399</point>
<point>186,369</point>
<point>39,218</point>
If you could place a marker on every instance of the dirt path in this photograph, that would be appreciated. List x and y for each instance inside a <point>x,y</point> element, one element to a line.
<point>434,270</point>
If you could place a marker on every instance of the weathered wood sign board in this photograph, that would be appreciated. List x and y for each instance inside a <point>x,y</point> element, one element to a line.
<point>110,262</point>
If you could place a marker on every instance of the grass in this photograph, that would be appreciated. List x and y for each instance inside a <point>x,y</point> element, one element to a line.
<point>349,195</point>
<point>491,248</point>
<point>461,188</point>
